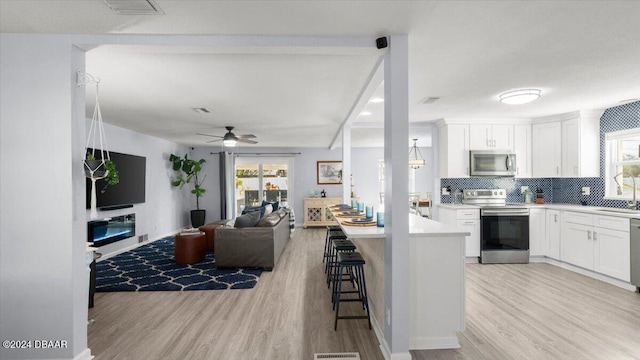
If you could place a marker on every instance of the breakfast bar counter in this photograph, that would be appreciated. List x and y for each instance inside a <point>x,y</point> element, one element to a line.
<point>436,279</point>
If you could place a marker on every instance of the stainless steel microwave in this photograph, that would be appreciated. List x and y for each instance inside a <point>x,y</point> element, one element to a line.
<point>492,163</point>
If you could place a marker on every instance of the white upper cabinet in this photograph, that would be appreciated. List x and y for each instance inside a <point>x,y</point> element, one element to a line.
<point>522,149</point>
<point>581,144</point>
<point>454,151</point>
<point>546,149</point>
<point>567,145</point>
<point>491,137</point>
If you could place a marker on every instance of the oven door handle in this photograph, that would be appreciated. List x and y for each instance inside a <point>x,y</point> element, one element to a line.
<point>505,213</point>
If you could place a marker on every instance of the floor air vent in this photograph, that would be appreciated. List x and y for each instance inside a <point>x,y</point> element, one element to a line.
<point>337,356</point>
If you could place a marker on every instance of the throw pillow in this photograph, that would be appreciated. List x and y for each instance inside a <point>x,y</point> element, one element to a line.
<point>248,220</point>
<point>261,209</point>
<point>270,220</point>
<point>268,209</point>
<point>276,204</point>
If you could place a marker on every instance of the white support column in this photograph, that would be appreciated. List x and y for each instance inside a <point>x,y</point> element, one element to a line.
<point>396,143</point>
<point>346,164</point>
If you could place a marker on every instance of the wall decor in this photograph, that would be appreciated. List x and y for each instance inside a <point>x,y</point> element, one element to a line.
<point>329,172</point>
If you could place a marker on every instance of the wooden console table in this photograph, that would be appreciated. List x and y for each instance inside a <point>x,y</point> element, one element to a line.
<point>316,213</point>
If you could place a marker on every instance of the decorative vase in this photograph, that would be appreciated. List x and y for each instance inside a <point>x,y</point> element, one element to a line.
<point>197,218</point>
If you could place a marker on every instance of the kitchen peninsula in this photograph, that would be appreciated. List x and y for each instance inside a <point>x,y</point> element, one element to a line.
<point>436,279</point>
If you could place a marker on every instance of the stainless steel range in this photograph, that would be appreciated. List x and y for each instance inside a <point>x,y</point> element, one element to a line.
<point>504,228</point>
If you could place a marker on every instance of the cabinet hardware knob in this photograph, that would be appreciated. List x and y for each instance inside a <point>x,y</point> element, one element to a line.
<point>588,234</point>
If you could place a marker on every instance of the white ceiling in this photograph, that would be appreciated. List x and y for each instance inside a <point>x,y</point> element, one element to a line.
<point>583,55</point>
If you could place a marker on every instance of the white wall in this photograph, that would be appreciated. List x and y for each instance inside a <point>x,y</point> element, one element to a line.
<point>166,209</point>
<point>364,168</point>
<point>41,254</point>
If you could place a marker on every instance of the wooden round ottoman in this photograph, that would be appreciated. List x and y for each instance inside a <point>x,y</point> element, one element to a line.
<point>209,231</point>
<point>190,249</point>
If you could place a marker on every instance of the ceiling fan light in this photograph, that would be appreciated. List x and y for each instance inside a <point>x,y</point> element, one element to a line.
<point>518,97</point>
<point>229,142</point>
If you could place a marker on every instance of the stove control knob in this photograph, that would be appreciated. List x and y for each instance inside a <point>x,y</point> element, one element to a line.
<point>495,193</point>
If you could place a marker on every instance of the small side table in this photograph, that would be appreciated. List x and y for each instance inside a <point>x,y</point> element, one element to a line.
<point>210,231</point>
<point>190,249</point>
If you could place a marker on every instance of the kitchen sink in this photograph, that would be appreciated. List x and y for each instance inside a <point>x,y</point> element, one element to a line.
<point>624,211</point>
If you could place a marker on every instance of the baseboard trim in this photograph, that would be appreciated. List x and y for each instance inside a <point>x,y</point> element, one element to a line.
<point>471,260</point>
<point>84,355</point>
<point>384,347</point>
<point>431,343</point>
<point>401,356</point>
<point>594,275</point>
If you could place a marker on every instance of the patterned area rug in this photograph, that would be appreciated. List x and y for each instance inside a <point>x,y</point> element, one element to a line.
<point>152,268</point>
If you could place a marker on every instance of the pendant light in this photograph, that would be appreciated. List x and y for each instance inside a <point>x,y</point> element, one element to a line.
<point>416,160</point>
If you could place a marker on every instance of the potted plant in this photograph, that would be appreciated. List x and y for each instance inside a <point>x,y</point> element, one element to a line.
<point>96,169</point>
<point>188,170</point>
<point>108,172</point>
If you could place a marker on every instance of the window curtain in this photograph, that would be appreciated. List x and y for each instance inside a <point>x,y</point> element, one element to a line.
<point>227,185</point>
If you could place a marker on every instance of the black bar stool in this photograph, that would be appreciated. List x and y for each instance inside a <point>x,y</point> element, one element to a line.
<point>333,232</point>
<point>353,262</point>
<point>337,246</point>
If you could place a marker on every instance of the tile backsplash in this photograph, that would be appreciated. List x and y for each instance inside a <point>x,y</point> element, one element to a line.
<point>560,190</point>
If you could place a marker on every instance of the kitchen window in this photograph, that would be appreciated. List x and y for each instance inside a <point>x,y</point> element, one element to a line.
<point>622,168</point>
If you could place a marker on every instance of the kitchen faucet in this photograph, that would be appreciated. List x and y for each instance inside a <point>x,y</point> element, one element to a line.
<point>633,204</point>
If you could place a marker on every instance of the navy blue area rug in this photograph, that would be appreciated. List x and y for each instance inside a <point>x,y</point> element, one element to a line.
<point>152,267</point>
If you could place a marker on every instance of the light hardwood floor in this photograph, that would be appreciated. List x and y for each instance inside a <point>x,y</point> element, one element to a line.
<point>533,311</point>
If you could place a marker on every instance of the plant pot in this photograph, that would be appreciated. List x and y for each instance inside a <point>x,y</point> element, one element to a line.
<point>197,218</point>
<point>90,169</point>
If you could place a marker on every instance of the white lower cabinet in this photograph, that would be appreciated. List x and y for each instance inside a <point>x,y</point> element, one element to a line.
<point>604,249</point>
<point>577,246</point>
<point>537,232</point>
<point>612,254</point>
<point>553,234</point>
<point>472,244</point>
<point>467,219</point>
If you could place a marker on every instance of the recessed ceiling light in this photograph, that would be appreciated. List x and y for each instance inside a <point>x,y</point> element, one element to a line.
<point>202,110</point>
<point>365,113</point>
<point>518,97</point>
<point>376,100</point>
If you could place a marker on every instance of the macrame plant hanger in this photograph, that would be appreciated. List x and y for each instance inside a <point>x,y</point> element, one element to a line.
<point>94,167</point>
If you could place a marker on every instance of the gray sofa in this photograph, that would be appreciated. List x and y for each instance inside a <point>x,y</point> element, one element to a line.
<point>258,246</point>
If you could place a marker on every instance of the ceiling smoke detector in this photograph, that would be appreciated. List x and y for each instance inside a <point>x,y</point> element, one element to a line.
<point>134,7</point>
<point>429,100</point>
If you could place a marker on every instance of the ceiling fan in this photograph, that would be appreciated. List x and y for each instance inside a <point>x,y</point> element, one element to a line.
<point>231,139</point>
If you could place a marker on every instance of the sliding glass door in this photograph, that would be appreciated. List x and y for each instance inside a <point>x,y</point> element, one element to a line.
<point>263,179</point>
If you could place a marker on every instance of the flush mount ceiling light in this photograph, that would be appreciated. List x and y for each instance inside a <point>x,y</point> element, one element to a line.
<point>365,113</point>
<point>201,110</point>
<point>518,97</point>
<point>376,100</point>
<point>415,161</point>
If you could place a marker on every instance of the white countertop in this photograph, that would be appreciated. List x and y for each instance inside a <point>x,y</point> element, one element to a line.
<point>598,210</point>
<point>418,227</point>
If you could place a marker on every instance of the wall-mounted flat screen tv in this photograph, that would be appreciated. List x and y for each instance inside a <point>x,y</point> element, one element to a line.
<point>130,189</point>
